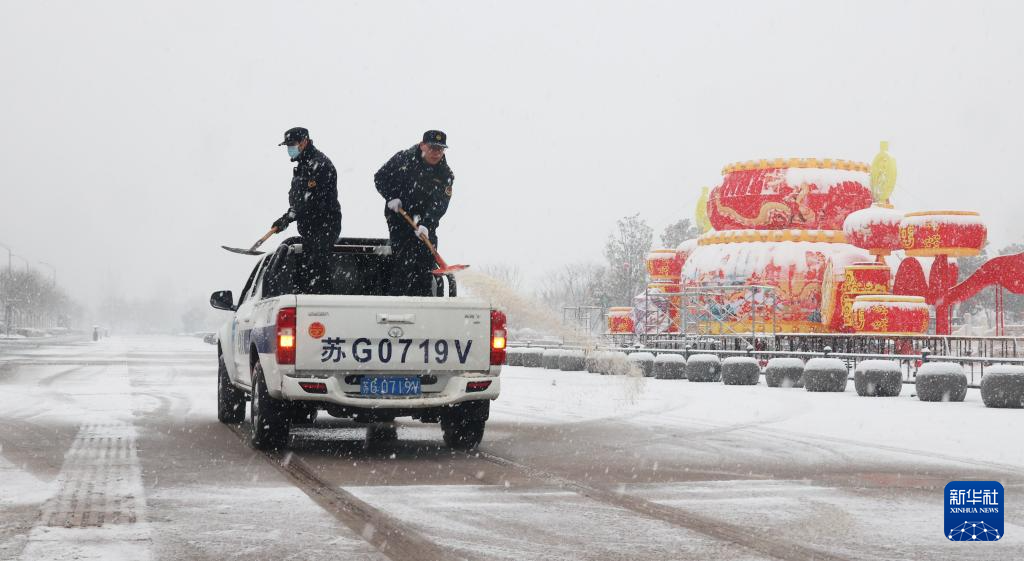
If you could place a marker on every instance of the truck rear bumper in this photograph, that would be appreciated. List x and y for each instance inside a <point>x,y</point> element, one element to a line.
<point>337,393</point>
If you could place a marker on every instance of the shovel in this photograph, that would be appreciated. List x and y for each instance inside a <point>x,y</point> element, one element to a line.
<point>442,267</point>
<point>252,250</point>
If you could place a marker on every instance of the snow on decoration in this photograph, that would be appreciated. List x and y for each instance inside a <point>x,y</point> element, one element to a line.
<point>883,313</point>
<point>804,193</point>
<point>876,229</point>
<point>620,319</point>
<point>942,232</point>
<point>663,265</point>
<point>794,271</point>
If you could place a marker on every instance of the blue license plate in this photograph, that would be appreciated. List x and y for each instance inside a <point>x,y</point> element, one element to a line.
<point>390,385</point>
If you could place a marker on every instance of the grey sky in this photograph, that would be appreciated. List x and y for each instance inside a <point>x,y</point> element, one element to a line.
<point>140,136</point>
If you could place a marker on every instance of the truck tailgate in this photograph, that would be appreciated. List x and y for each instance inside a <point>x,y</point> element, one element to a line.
<point>391,334</point>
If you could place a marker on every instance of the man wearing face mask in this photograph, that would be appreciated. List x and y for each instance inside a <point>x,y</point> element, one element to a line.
<point>313,203</point>
<point>418,181</point>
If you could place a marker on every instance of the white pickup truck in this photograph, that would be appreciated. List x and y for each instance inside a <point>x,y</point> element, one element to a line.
<point>355,353</point>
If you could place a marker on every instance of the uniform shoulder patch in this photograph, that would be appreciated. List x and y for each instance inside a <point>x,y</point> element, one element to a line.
<point>311,184</point>
<point>448,191</point>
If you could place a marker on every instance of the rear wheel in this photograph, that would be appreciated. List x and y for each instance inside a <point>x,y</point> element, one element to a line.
<point>463,425</point>
<point>270,417</point>
<point>230,400</point>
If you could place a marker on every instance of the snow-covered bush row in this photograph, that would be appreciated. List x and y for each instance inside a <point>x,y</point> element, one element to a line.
<point>740,371</point>
<point>533,357</point>
<point>670,366</point>
<point>550,358</point>
<point>703,368</point>
<point>572,361</point>
<point>643,363</point>
<point>1003,386</point>
<point>784,372</point>
<point>881,378</point>
<point>941,381</point>
<point>825,375</point>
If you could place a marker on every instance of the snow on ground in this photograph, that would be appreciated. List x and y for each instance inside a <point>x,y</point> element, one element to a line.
<point>966,430</point>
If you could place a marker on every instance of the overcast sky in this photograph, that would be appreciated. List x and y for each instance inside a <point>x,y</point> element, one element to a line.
<point>140,136</point>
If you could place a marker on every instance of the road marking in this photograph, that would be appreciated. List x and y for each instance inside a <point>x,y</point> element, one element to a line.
<point>99,510</point>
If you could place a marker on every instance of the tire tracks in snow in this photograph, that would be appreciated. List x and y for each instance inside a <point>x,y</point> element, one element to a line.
<point>386,533</point>
<point>752,539</point>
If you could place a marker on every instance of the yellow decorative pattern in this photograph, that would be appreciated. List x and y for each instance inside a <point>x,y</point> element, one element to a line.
<point>883,174</point>
<point>816,163</point>
<point>788,235</point>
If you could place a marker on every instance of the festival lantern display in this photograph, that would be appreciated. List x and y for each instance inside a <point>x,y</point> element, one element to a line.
<point>876,229</point>
<point>805,193</point>
<point>891,315</point>
<point>663,265</point>
<point>954,233</point>
<point>620,320</point>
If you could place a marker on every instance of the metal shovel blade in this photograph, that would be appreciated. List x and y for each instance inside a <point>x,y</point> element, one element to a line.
<point>243,251</point>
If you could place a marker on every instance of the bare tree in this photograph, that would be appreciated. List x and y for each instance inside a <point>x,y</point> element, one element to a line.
<point>508,275</point>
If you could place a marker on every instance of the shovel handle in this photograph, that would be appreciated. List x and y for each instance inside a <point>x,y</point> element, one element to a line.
<point>265,237</point>
<point>426,240</point>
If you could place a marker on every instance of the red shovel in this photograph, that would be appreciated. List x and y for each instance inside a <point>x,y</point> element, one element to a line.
<point>442,267</point>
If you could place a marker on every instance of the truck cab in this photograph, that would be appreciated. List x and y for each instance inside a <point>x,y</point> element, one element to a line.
<point>356,352</point>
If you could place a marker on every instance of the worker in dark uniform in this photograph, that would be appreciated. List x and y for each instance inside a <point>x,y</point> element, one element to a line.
<point>313,203</point>
<point>418,181</point>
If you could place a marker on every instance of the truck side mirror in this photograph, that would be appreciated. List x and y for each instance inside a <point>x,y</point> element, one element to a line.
<point>223,300</point>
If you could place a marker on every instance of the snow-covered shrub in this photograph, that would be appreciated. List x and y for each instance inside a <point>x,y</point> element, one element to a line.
<point>670,366</point>
<point>1003,386</point>
<point>551,358</point>
<point>643,362</point>
<point>825,375</point>
<point>571,361</point>
<point>513,356</point>
<point>784,372</point>
<point>881,378</point>
<point>616,363</point>
<point>533,357</point>
<point>592,362</point>
<point>740,371</point>
<point>941,381</point>
<point>703,368</point>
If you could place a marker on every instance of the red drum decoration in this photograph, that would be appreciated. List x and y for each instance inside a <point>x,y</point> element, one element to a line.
<point>876,229</point>
<point>663,265</point>
<point>620,320</point>
<point>803,194</point>
<point>867,278</point>
<point>892,315</point>
<point>942,232</point>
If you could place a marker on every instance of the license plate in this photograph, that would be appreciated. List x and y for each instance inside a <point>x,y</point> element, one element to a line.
<point>390,385</point>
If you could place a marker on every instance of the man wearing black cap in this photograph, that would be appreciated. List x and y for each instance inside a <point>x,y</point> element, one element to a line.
<point>313,203</point>
<point>418,181</point>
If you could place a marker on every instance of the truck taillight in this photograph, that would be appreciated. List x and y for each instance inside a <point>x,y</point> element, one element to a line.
<point>286,336</point>
<point>498,337</point>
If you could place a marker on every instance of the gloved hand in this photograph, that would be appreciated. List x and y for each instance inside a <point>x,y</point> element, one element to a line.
<point>281,224</point>
<point>422,232</point>
<point>395,205</point>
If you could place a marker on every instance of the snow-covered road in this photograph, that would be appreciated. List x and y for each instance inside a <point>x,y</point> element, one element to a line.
<point>112,450</point>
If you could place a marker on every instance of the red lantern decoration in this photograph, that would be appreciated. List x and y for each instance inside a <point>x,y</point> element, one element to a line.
<point>942,232</point>
<point>876,229</point>
<point>892,315</point>
<point>803,194</point>
<point>663,265</point>
<point>620,320</point>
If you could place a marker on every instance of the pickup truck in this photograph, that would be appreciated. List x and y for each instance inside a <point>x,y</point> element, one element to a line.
<point>355,353</point>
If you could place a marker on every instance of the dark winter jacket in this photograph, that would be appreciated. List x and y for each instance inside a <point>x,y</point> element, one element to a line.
<point>425,190</point>
<point>313,197</point>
